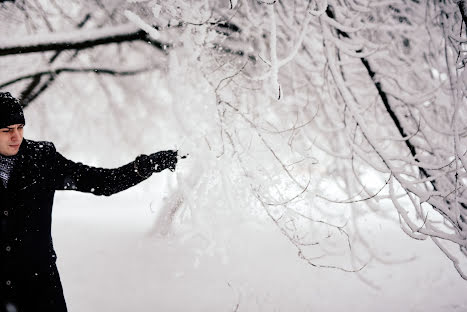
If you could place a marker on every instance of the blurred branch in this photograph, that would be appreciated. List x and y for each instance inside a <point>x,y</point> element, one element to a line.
<point>57,71</point>
<point>78,40</point>
<point>36,86</point>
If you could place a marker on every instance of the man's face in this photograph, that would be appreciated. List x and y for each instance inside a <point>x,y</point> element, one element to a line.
<point>10,139</point>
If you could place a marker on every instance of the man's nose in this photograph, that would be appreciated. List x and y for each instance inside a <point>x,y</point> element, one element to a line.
<point>15,135</point>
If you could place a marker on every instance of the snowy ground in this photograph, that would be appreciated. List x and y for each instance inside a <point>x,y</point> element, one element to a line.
<point>109,262</point>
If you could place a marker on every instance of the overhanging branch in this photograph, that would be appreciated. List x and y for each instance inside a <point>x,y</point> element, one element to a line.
<point>385,100</point>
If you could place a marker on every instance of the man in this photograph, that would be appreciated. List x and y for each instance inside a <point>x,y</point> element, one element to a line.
<point>30,172</point>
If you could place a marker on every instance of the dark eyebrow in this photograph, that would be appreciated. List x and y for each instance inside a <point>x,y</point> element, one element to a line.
<point>11,128</point>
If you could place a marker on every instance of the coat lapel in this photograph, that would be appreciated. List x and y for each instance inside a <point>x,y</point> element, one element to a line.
<point>20,179</point>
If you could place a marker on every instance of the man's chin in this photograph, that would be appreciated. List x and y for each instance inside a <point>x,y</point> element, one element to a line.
<point>10,152</point>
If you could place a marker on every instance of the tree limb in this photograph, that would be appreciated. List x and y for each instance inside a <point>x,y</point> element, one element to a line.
<point>57,71</point>
<point>78,40</point>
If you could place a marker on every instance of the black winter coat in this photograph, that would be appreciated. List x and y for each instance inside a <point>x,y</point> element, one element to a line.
<point>29,277</point>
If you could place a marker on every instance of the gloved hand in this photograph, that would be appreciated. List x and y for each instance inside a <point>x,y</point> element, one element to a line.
<point>163,160</point>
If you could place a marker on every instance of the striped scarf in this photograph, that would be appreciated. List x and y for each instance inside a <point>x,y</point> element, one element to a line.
<point>6,167</point>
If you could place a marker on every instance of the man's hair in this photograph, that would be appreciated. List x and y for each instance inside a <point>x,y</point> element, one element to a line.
<point>11,112</point>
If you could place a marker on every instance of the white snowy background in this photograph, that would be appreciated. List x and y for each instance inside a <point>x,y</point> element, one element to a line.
<point>109,262</point>
<point>111,257</point>
<point>222,250</point>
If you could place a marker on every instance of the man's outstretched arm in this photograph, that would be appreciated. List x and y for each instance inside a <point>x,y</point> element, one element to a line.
<point>70,175</point>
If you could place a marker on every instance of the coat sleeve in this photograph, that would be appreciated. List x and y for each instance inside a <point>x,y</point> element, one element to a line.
<point>70,175</point>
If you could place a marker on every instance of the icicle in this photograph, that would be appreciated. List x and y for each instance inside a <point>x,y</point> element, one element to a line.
<point>135,19</point>
<point>274,62</point>
<point>156,10</point>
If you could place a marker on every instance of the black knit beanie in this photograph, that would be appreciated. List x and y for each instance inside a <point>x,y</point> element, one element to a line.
<point>11,112</point>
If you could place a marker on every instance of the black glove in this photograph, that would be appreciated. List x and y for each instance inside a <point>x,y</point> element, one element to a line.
<point>163,160</point>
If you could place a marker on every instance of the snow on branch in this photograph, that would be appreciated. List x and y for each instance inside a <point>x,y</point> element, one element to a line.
<point>415,173</point>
